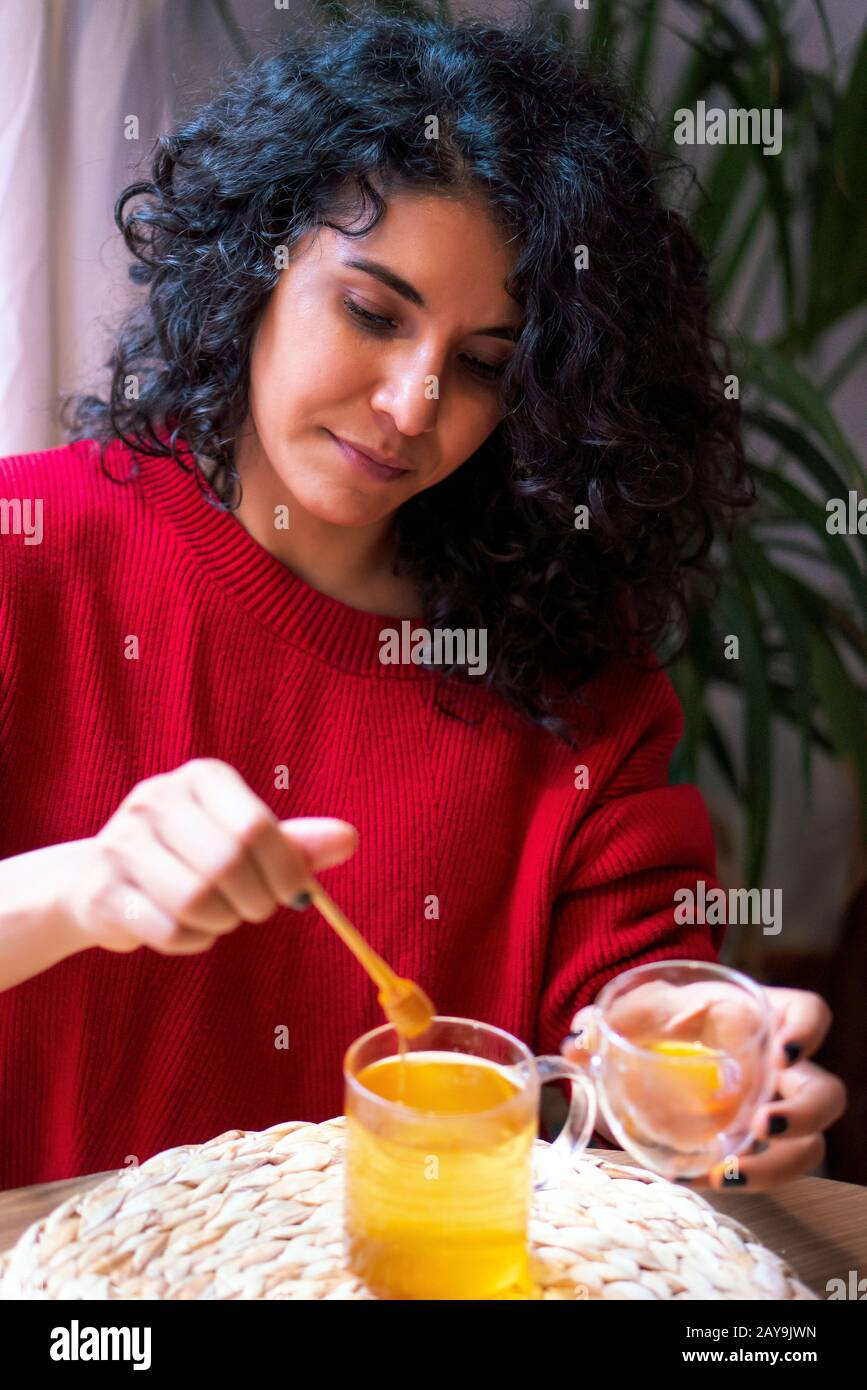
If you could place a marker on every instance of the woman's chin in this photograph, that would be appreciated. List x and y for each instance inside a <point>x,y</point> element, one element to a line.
<point>340,505</point>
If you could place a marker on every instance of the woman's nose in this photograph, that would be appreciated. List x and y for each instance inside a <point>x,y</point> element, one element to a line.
<point>413,389</point>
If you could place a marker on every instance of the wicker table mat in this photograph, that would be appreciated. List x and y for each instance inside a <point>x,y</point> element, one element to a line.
<point>258,1214</point>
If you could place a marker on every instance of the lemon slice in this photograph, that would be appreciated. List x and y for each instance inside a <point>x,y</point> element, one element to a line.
<point>699,1072</point>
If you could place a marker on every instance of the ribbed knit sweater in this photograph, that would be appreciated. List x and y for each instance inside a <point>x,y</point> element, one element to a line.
<point>486,869</point>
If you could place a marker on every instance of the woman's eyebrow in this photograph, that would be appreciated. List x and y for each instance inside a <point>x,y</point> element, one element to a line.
<point>396,282</point>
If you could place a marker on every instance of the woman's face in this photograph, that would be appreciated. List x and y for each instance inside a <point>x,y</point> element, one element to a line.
<point>417,385</point>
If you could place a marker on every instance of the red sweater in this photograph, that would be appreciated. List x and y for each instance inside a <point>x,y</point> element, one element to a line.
<point>482,872</point>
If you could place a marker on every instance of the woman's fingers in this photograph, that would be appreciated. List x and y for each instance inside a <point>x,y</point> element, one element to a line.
<point>716,1012</point>
<point>183,897</point>
<point>781,1162</point>
<point>217,858</point>
<point>325,840</point>
<point>115,899</point>
<point>280,851</point>
<point>812,1100</point>
<point>581,1038</point>
<point>802,1019</point>
<point>190,855</point>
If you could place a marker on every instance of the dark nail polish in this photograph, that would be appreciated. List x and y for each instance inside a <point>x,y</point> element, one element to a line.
<point>778,1124</point>
<point>683,1180</point>
<point>739,1181</point>
<point>300,901</point>
<point>793,1051</point>
<point>760,1146</point>
<point>777,1096</point>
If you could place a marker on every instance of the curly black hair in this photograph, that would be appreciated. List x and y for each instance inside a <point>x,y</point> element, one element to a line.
<point>614,398</point>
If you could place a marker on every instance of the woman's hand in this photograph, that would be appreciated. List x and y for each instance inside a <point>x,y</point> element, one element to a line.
<point>187,857</point>
<point>807,1101</point>
<point>810,1100</point>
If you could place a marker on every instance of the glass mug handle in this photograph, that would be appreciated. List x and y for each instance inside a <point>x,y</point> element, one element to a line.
<point>575,1134</point>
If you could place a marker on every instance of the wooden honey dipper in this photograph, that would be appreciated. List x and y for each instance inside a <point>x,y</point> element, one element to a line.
<point>403,1002</point>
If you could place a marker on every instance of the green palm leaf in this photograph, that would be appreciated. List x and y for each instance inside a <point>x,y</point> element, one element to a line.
<point>738,610</point>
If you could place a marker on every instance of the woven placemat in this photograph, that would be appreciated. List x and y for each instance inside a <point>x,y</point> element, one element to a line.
<point>258,1214</point>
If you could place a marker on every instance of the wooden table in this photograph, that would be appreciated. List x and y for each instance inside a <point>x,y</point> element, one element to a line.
<point>819,1226</point>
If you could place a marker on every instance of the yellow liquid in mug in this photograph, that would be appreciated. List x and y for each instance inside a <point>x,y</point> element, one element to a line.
<point>438,1208</point>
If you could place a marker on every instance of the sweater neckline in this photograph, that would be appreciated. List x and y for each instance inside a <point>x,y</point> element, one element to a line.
<point>277,598</point>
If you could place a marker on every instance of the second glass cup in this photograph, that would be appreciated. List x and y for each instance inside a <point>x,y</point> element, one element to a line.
<point>680,1052</point>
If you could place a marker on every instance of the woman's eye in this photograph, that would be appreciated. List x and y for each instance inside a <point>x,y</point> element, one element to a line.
<point>489,370</point>
<point>374,319</point>
<point>375,323</point>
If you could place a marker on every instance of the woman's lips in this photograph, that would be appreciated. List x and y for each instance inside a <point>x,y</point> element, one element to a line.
<point>366,465</point>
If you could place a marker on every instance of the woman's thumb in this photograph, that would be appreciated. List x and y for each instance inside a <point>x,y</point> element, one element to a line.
<point>322,840</point>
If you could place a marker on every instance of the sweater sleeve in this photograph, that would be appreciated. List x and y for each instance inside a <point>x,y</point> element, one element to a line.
<point>638,844</point>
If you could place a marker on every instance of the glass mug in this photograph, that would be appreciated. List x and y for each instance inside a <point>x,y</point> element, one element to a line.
<point>680,1054</point>
<point>438,1189</point>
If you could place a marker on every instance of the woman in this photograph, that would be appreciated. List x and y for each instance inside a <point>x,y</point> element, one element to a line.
<point>404,463</point>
